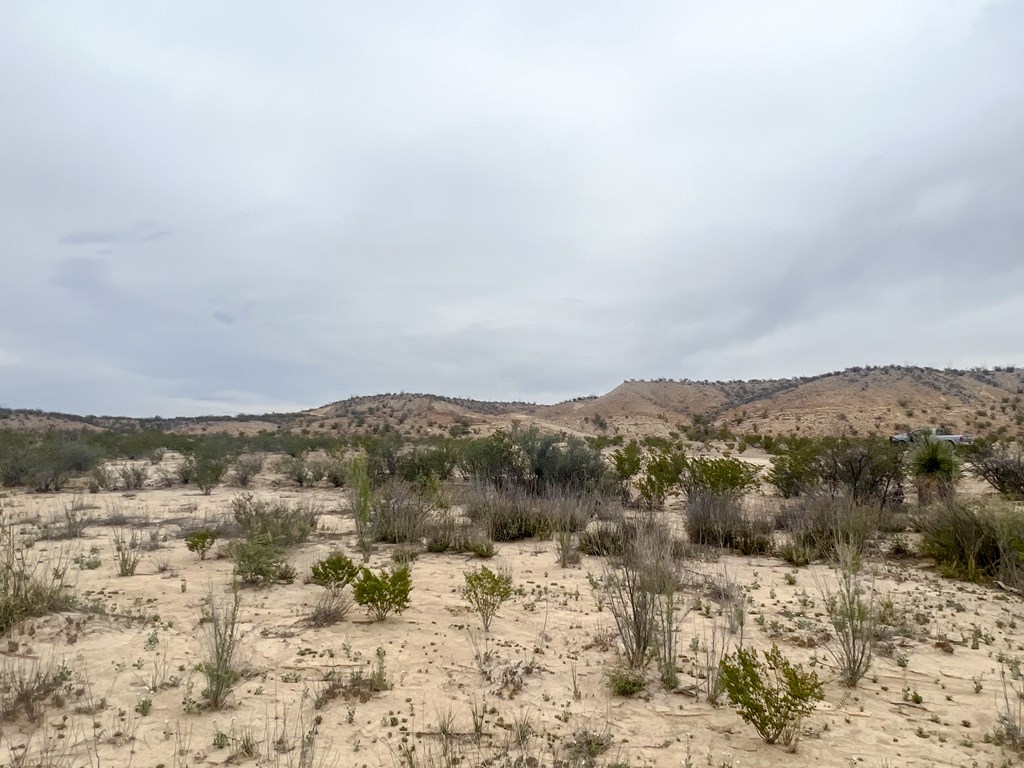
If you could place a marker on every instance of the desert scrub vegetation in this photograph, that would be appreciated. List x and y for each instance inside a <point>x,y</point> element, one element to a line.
<point>772,695</point>
<point>334,573</point>
<point>246,469</point>
<point>360,495</point>
<point>1001,466</point>
<point>719,520</point>
<point>284,525</point>
<point>486,591</point>
<point>127,550</point>
<point>222,638</point>
<point>383,593</point>
<point>977,541</point>
<point>532,461</point>
<point>853,616</point>
<point>259,561</point>
<point>29,585</point>
<point>201,542</point>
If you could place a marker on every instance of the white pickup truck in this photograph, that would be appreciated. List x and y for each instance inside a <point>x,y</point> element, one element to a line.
<point>936,433</point>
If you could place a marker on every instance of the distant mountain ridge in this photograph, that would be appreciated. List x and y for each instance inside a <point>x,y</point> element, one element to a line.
<point>862,400</point>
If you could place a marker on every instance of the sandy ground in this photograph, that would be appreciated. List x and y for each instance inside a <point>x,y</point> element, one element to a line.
<point>930,697</point>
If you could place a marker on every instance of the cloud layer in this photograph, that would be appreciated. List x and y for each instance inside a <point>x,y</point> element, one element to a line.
<point>238,207</point>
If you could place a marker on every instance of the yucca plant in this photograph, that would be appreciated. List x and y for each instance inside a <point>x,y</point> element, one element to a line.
<point>936,468</point>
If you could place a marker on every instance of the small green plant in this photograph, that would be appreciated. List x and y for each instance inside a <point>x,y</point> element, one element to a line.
<point>773,695</point>
<point>144,706</point>
<point>383,593</point>
<point>333,573</point>
<point>486,591</point>
<point>625,680</point>
<point>259,561</point>
<point>201,542</point>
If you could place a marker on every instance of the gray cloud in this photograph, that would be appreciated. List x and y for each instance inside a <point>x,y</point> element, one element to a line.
<point>240,209</point>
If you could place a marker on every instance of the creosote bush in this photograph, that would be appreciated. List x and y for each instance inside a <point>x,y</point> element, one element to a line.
<point>486,591</point>
<point>383,593</point>
<point>200,542</point>
<point>259,561</point>
<point>334,573</point>
<point>284,525</point>
<point>772,695</point>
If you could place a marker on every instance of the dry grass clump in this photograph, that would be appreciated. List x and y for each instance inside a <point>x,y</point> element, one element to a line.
<point>29,586</point>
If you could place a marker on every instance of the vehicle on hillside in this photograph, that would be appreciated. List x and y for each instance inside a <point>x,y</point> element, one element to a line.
<point>935,433</point>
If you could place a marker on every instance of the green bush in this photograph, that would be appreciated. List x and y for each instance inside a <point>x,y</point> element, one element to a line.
<point>795,467</point>
<point>383,593</point>
<point>284,525</point>
<point>259,561</point>
<point>772,695</point>
<point>486,591</point>
<point>722,477</point>
<point>208,471</point>
<point>335,571</point>
<point>624,680</point>
<point>29,585</point>
<point>200,542</point>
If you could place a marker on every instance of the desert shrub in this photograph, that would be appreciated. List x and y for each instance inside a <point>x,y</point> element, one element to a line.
<point>631,590</point>
<point>773,695</point>
<point>527,459</point>
<point>606,538</point>
<point>208,471</point>
<point>935,467</point>
<point>284,525</point>
<point>506,513</point>
<point>29,585</point>
<point>246,469</point>
<point>850,607</point>
<point>720,477</point>
<point>817,523</point>
<point>1000,466</point>
<point>795,469</point>
<point>100,479</point>
<point>127,547</point>
<point>296,468</point>
<point>418,464</point>
<point>384,593</point>
<point>715,520</point>
<point>335,571</point>
<point>336,472</point>
<point>867,470</point>
<point>481,546</point>
<point>200,542</point>
<point>624,680</point>
<point>442,532</point>
<point>133,476</point>
<point>659,477</point>
<point>259,561</point>
<point>223,635</point>
<point>400,514</point>
<point>486,591</point>
<point>626,464</point>
<point>976,542</point>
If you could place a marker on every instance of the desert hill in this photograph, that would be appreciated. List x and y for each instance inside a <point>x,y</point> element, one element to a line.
<point>861,400</point>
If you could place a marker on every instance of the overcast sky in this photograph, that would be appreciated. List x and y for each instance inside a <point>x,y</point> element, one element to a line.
<point>237,206</point>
